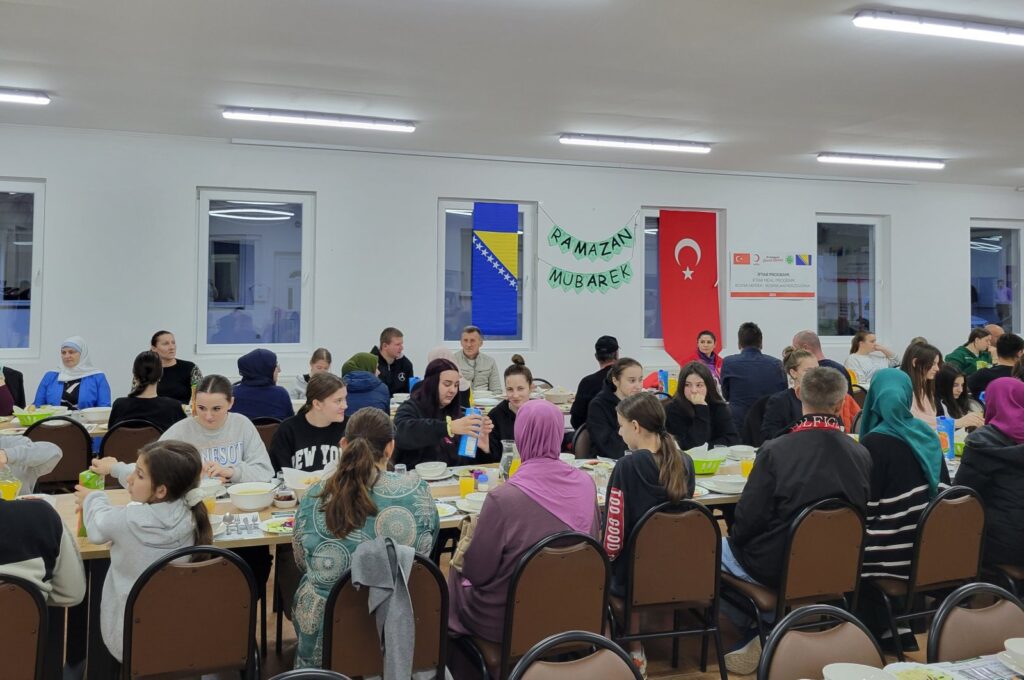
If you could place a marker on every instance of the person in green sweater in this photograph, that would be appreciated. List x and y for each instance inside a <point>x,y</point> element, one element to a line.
<point>973,354</point>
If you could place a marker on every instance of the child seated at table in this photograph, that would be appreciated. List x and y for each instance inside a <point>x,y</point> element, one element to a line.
<point>169,515</point>
<point>28,460</point>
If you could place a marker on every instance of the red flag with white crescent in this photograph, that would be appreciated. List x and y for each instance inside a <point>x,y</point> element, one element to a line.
<point>688,273</point>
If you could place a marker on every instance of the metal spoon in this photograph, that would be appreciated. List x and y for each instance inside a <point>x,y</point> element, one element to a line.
<point>229,522</point>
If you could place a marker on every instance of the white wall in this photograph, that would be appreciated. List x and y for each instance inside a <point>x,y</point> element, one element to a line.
<point>121,246</point>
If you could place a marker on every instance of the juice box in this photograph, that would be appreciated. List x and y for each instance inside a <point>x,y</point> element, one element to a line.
<point>467,444</point>
<point>90,480</point>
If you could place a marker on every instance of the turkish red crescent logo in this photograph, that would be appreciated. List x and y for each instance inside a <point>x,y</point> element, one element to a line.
<point>741,258</point>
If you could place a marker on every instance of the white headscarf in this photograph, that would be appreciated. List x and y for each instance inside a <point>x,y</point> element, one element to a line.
<point>84,368</point>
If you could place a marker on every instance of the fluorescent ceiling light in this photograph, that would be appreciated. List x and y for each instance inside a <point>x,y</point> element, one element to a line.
<point>256,214</point>
<point>938,26</point>
<point>323,119</point>
<point>16,96</point>
<point>889,161</point>
<point>255,203</point>
<point>22,243</point>
<point>460,212</point>
<point>635,143</point>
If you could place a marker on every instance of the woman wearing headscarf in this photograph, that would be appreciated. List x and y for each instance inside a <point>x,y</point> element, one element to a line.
<point>430,423</point>
<point>78,384</point>
<point>906,473</point>
<point>993,465</point>
<point>365,389</point>
<point>257,394</point>
<point>442,352</point>
<point>544,497</point>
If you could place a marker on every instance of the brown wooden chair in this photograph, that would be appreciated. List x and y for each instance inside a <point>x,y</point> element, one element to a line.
<point>351,644</point>
<point>859,394</point>
<point>793,651</point>
<point>22,628</point>
<point>266,426</point>
<point>310,674</point>
<point>608,662</point>
<point>161,635</point>
<point>581,443</point>
<point>824,552</point>
<point>124,440</point>
<point>1009,574</point>
<point>947,554</point>
<point>75,445</point>
<point>560,584</point>
<point>961,633</point>
<point>674,564</point>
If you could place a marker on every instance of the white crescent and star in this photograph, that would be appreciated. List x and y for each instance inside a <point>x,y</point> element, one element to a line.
<point>682,245</point>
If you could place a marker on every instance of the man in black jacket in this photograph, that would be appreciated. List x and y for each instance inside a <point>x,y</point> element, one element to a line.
<point>815,461</point>
<point>606,351</point>
<point>395,368</point>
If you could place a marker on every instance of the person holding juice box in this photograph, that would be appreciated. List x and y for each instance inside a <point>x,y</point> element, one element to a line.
<point>179,378</point>
<point>167,514</point>
<point>907,471</point>
<point>429,425</point>
<point>518,384</point>
<point>27,461</point>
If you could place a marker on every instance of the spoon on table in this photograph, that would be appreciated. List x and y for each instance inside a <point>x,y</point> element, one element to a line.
<point>229,522</point>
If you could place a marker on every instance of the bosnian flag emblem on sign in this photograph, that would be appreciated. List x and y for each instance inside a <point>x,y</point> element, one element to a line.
<point>803,260</point>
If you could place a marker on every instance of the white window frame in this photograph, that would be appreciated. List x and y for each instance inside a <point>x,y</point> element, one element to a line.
<point>1006,225</point>
<point>38,190</point>
<point>723,264</point>
<point>529,210</point>
<point>882,262</point>
<point>308,201</point>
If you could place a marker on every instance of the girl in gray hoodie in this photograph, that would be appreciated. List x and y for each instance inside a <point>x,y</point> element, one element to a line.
<point>165,513</point>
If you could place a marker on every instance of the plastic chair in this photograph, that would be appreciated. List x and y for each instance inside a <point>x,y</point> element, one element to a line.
<point>824,553</point>
<point>266,426</point>
<point>560,584</point>
<point>947,553</point>
<point>162,606</point>
<point>960,633</point>
<point>581,442</point>
<point>859,394</point>
<point>660,575</point>
<point>23,628</point>
<point>75,444</point>
<point>350,639</point>
<point>124,440</point>
<point>310,674</point>
<point>608,662</point>
<point>541,382</point>
<point>794,652</point>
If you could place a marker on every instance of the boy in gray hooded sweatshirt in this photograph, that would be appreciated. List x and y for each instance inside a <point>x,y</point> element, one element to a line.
<point>166,513</point>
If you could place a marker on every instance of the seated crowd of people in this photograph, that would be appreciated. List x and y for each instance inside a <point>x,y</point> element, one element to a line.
<point>798,410</point>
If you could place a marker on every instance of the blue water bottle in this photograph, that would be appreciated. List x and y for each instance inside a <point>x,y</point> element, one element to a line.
<point>467,443</point>
<point>946,428</point>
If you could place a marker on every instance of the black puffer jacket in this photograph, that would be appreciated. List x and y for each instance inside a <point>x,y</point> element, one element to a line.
<point>993,465</point>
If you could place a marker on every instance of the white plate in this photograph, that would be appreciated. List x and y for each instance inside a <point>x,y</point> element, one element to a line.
<point>445,510</point>
<point>444,475</point>
<point>13,431</point>
<point>265,524</point>
<point>1007,660</point>
<point>854,671</point>
<point>461,504</point>
<point>725,484</point>
<point>934,673</point>
<point>221,528</point>
<point>486,401</point>
<point>699,491</point>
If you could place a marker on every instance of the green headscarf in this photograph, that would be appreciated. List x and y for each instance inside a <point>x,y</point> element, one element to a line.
<point>364,361</point>
<point>887,411</point>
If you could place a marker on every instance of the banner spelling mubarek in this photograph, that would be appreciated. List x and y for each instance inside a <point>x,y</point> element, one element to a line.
<point>605,249</point>
<point>590,281</point>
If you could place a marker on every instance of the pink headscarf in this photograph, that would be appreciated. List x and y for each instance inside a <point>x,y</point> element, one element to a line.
<point>1004,407</point>
<point>562,490</point>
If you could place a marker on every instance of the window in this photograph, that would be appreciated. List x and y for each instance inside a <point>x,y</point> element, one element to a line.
<point>252,280</point>
<point>652,281</point>
<point>511,314</point>
<point>21,220</point>
<point>995,277</point>
<point>847,274</point>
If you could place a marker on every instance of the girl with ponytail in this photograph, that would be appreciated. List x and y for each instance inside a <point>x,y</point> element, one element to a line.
<point>168,514</point>
<point>359,502</point>
<point>142,403</point>
<point>656,472</point>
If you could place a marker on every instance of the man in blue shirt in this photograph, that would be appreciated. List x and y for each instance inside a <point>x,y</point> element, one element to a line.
<point>750,375</point>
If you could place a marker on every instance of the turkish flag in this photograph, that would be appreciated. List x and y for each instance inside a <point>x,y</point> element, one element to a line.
<point>688,274</point>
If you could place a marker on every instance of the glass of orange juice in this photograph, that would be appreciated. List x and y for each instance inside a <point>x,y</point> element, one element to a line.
<point>467,485</point>
<point>210,501</point>
<point>746,465</point>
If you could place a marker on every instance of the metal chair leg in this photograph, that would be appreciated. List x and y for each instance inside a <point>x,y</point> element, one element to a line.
<point>704,641</point>
<point>676,625</point>
<point>893,628</point>
<point>720,653</point>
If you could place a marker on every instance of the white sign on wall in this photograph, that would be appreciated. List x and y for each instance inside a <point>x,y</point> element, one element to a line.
<point>772,275</point>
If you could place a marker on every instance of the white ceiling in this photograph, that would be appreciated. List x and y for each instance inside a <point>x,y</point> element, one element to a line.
<point>768,82</point>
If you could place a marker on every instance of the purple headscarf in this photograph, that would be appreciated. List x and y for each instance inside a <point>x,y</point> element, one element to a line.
<point>562,490</point>
<point>1004,407</point>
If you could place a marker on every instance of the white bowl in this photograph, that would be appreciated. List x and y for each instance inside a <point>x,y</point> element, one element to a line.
<point>726,483</point>
<point>432,469</point>
<point>400,397</point>
<point>475,500</point>
<point>211,486</point>
<point>1015,648</point>
<point>854,671</point>
<point>567,458</point>
<point>557,396</point>
<point>251,496</point>
<point>284,505</point>
<point>742,451</point>
<point>96,414</point>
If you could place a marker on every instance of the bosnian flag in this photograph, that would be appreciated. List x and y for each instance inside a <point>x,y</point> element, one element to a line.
<point>495,268</point>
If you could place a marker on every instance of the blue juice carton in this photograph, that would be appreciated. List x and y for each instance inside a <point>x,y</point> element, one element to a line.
<point>467,443</point>
<point>946,428</point>
<point>663,381</point>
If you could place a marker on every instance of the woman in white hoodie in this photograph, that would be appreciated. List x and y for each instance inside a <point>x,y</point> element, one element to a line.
<point>167,514</point>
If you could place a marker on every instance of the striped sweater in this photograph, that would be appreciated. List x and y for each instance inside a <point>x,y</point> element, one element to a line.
<point>899,494</point>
